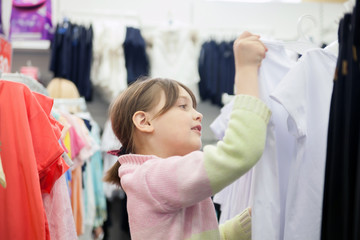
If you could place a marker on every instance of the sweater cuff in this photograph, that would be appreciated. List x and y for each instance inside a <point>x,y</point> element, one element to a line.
<point>237,228</point>
<point>253,104</point>
<point>245,224</point>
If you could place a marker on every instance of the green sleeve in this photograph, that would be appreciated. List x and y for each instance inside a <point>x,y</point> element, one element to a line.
<point>243,143</point>
<point>237,228</point>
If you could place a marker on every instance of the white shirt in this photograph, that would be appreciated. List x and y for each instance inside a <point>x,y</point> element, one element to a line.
<point>270,173</point>
<point>305,93</point>
<point>261,185</point>
<point>174,55</point>
<point>237,196</point>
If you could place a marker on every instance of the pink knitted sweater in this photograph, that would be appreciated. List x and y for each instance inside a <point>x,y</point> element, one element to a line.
<point>169,199</point>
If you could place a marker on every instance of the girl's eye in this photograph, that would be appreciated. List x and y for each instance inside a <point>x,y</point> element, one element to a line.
<point>183,106</point>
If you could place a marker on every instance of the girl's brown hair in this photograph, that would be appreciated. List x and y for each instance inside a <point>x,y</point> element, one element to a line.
<point>142,95</point>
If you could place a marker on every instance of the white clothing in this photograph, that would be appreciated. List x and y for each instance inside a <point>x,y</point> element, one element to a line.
<point>263,184</point>
<point>236,197</point>
<point>219,125</point>
<point>58,211</point>
<point>270,172</point>
<point>305,93</point>
<point>174,55</point>
<point>108,72</point>
<point>89,194</point>
<point>2,175</point>
<point>288,180</point>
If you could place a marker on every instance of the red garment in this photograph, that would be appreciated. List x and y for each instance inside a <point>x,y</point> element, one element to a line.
<point>31,157</point>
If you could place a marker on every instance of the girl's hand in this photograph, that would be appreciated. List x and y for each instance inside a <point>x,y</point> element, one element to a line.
<point>249,51</point>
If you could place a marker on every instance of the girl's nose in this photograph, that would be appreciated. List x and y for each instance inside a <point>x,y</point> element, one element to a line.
<point>199,116</point>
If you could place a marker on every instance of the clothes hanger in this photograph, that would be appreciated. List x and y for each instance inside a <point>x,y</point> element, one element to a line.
<point>303,43</point>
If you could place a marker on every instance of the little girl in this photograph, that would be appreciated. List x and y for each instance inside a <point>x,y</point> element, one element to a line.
<point>167,179</point>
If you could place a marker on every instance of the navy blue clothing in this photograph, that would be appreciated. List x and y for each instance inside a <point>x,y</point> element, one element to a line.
<point>85,61</point>
<point>227,71</point>
<point>71,56</point>
<point>213,70</point>
<point>216,70</point>
<point>136,59</point>
<point>341,204</point>
<point>60,63</point>
<point>203,72</point>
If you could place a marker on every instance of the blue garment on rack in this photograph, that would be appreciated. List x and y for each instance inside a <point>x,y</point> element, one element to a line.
<point>136,59</point>
<point>71,56</point>
<point>94,171</point>
<point>226,71</point>
<point>216,70</point>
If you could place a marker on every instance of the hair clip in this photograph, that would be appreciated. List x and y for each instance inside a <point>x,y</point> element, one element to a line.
<point>118,153</point>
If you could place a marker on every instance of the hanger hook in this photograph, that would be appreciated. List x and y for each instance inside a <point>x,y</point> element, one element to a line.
<point>300,24</point>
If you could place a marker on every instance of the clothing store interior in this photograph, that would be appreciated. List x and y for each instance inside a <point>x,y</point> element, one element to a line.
<point>64,62</point>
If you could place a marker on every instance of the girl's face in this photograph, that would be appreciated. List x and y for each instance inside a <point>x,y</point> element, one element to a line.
<point>178,131</point>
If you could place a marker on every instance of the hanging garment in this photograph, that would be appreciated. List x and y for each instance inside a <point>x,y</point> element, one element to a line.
<point>2,175</point>
<point>74,181</point>
<point>77,199</point>
<point>174,55</point>
<point>58,211</point>
<point>60,63</point>
<point>260,187</point>
<point>86,55</point>
<point>337,172</point>
<point>219,125</point>
<point>31,158</point>
<point>203,83</point>
<point>110,142</point>
<point>94,198</point>
<point>136,59</point>
<point>305,93</point>
<point>355,72</point>
<point>270,173</point>
<point>71,56</point>
<point>82,145</point>
<point>216,70</point>
<point>225,81</point>
<point>88,195</point>
<point>1,24</point>
<point>341,191</point>
<point>236,197</point>
<point>30,82</point>
<point>108,71</point>
<point>97,176</point>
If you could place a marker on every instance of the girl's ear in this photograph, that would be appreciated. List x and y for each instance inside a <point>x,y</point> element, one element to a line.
<point>141,122</point>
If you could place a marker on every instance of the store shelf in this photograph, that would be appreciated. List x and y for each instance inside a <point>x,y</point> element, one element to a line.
<point>31,45</point>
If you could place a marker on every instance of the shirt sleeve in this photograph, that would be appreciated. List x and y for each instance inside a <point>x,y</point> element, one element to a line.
<point>237,228</point>
<point>243,143</point>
